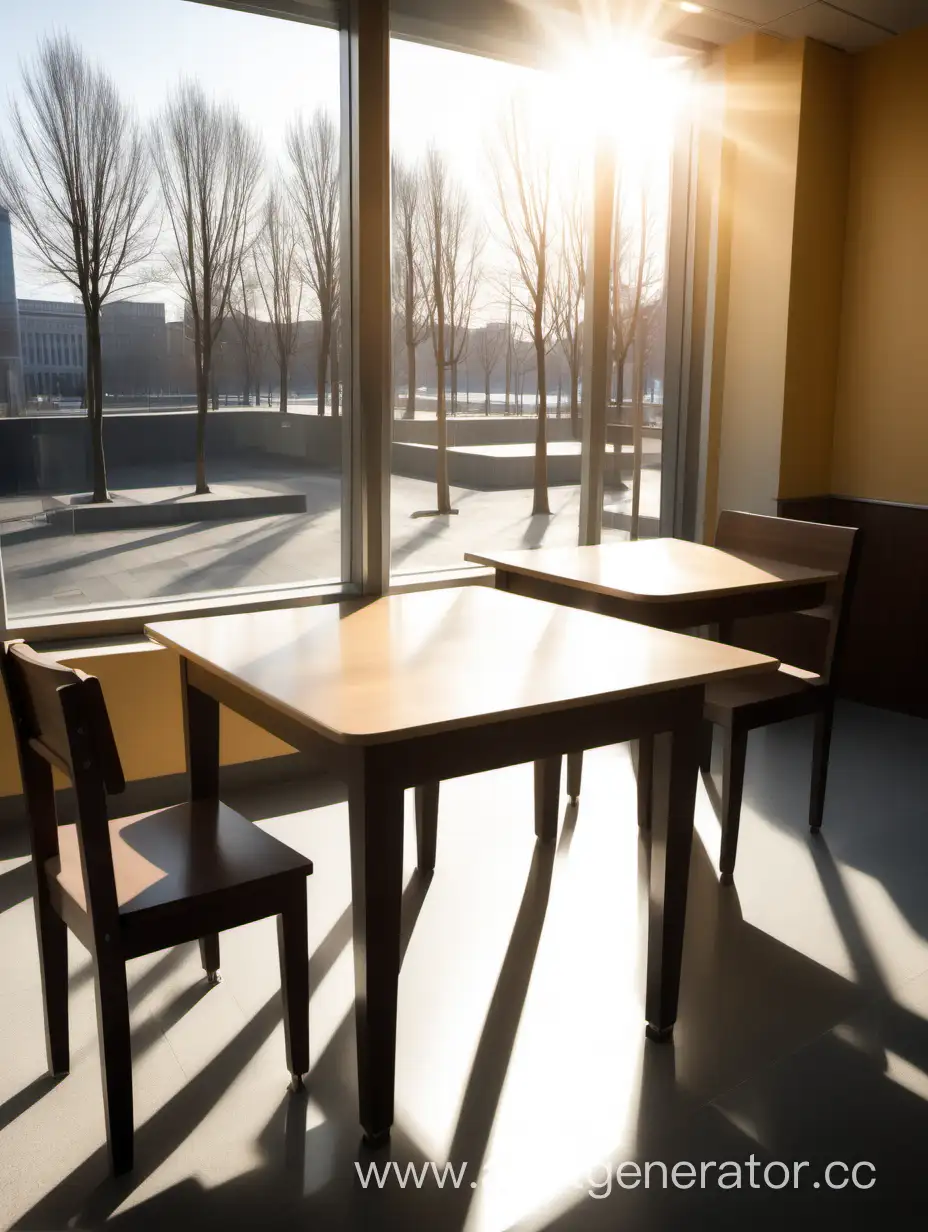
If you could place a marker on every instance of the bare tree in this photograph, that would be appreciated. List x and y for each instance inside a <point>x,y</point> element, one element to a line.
<point>491,341</point>
<point>409,297</point>
<point>250,333</point>
<point>439,197</point>
<point>313,149</point>
<point>334,366</point>
<point>523,183</point>
<point>209,164</point>
<point>462,251</point>
<point>78,188</point>
<point>277,269</point>
<point>567,302</point>
<point>629,267</point>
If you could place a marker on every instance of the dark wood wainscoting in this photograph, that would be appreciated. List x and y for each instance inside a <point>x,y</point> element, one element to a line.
<point>885,655</point>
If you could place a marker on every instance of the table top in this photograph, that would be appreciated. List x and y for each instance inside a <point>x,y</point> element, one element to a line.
<point>653,570</point>
<point>414,664</point>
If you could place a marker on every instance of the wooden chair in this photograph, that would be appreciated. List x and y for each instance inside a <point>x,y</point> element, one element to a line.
<point>807,643</point>
<point>132,885</point>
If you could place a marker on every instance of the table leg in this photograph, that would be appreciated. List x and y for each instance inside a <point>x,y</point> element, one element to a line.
<point>201,738</point>
<point>426,826</point>
<point>675,770</point>
<point>375,811</point>
<point>643,757</point>
<point>574,776</point>
<point>547,797</point>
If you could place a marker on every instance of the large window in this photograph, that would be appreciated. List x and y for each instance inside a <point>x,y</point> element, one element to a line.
<point>493,171</point>
<point>183,437</point>
<point>491,167</point>
<point>189,420</point>
<point>645,137</point>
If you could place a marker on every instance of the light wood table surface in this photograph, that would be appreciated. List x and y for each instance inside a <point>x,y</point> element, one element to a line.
<point>663,583</point>
<point>667,583</point>
<point>407,690</point>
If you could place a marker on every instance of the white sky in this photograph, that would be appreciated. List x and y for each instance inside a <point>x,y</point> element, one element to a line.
<point>273,69</point>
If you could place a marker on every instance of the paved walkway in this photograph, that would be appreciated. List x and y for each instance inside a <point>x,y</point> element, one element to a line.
<point>49,570</point>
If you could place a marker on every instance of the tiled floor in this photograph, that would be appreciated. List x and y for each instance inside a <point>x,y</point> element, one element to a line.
<point>802,1033</point>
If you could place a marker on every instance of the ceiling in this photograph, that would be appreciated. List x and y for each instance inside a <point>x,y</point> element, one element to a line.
<point>849,24</point>
<point>507,27</point>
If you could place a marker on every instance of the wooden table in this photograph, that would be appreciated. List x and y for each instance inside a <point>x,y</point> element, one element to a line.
<point>411,689</point>
<point>666,583</point>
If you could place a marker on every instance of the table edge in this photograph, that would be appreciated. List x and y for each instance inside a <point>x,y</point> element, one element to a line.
<point>374,739</point>
<point>635,596</point>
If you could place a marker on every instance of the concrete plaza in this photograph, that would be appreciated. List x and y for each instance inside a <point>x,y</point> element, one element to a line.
<point>46,569</point>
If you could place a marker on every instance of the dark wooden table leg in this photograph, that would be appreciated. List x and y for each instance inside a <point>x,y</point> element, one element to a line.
<point>643,758</point>
<point>547,797</point>
<point>201,737</point>
<point>375,807</point>
<point>574,776</point>
<point>676,766</point>
<point>426,826</point>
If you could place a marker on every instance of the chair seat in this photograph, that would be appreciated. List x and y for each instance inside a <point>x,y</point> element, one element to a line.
<point>177,854</point>
<point>726,697</point>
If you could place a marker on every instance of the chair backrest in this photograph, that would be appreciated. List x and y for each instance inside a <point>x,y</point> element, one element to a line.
<point>815,545</point>
<point>60,720</point>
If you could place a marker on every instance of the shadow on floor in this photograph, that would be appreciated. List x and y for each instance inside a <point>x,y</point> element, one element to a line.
<point>745,997</point>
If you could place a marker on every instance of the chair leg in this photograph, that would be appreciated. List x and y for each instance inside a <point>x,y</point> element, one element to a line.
<point>115,1059</point>
<point>426,826</point>
<point>52,935</point>
<point>547,797</point>
<point>574,775</point>
<point>293,945</point>
<point>821,746</point>
<point>645,773</point>
<point>705,748</point>
<point>209,957</point>
<point>734,753</point>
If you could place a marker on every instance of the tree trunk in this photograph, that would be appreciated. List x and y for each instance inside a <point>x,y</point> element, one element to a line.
<point>322,362</point>
<point>540,501</point>
<point>284,383</point>
<point>443,489</point>
<point>454,386</point>
<point>335,377</point>
<point>203,384</point>
<point>619,386</point>
<point>637,416</point>
<point>95,409</point>
<point>559,391</point>
<point>410,411</point>
<point>486,394</point>
<point>575,403</point>
<point>508,378</point>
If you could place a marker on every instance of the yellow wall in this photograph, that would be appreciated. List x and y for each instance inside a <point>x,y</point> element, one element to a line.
<point>762,83</point>
<point>782,189</point>
<point>141,684</point>
<point>881,424</point>
<point>816,273</point>
<point>763,123</point>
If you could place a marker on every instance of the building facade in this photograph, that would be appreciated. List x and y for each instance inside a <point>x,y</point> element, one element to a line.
<point>53,341</point>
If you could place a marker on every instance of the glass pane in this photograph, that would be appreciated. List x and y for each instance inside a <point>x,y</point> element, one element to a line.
<point>490,171</point>
<point>644,139</point>
<point>214,362</point>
